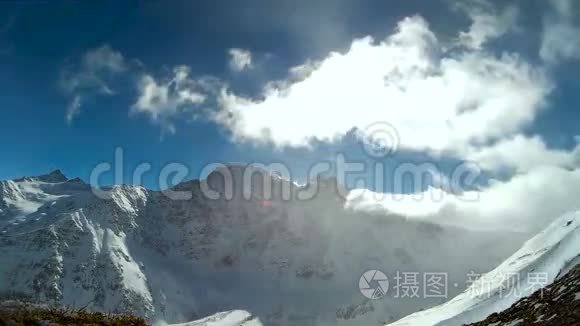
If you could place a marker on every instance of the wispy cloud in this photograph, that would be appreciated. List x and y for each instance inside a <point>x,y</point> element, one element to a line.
<point>560,40</point>
<point>161,100</point>
<point>73,108</point>
<point>90,76</point>
<point>488,22</point>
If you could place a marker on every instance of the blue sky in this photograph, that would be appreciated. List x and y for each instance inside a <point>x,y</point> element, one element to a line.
<point>42,46</point>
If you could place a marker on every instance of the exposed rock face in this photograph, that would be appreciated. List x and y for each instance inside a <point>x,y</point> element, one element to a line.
<point>354,310</point>
<point>557,304</point>
<point>285,261</point>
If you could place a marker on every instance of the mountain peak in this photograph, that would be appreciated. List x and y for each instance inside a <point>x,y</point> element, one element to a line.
<point>240,170</point>
<point>52,177</point>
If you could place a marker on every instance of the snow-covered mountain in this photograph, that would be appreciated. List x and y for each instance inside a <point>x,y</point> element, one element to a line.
<point>284,262</point>
<point>542,260</point>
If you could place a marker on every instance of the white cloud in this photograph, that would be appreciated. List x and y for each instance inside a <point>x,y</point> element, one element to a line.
<point>90,76</point>
<point>240,59</point>
<point>467,102</point>
<point>93,71</point>
<point>525,203</point>
<point>73,109</point>
<point>302,71</point>
<point>560,35</point>
<point>522,154</point>
<point>104,59</point>
<point>437,101</point>
<point>163,99</point>
<point>487,23</point>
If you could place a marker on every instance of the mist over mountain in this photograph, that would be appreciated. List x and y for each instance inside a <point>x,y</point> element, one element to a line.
<point>283,261</point>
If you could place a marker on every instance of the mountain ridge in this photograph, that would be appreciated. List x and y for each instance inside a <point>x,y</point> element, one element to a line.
<point>167,260</point>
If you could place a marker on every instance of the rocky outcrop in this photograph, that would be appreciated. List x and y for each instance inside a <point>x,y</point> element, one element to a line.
<point>557,304</point>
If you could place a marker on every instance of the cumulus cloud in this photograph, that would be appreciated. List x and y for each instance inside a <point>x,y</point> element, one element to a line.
<point>90,76</point>
<point>437,101</point>
<point>560,35</point>
<point>487,22</point>
<point>162,99</point>
<point>240,59</point>
<point>461,101</point>
<point>526,202</point>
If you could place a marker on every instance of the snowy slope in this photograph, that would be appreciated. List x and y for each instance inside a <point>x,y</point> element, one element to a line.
<point>62,244</point>
<point>539,262</point>
<point>227,318</point>
<point>22,197</point>
<point>290,262</point>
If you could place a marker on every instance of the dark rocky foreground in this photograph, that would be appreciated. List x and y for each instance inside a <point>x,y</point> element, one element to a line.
<point>18,313</point>
<point>557,304</point>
